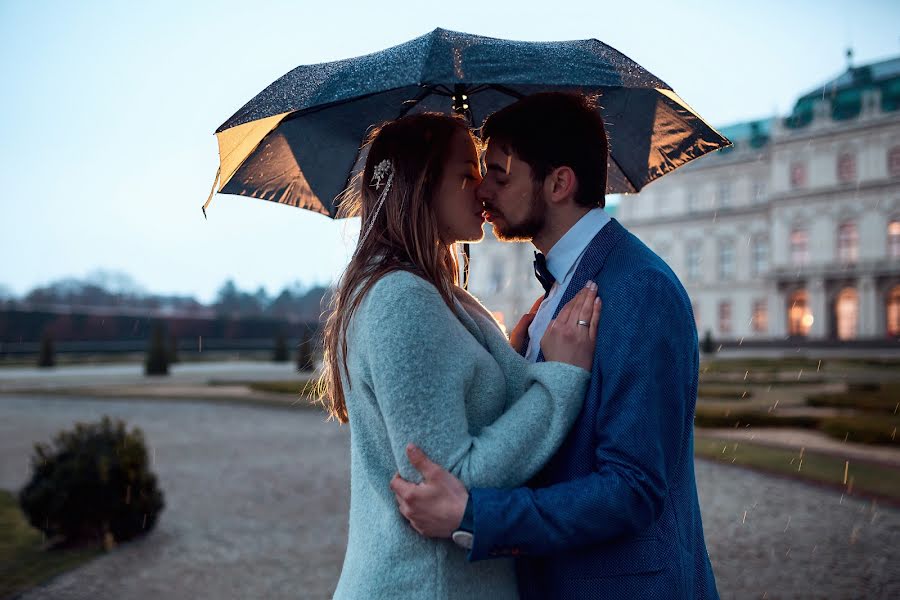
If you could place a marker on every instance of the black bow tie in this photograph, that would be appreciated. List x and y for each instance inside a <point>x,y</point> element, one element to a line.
<point>542,273</point>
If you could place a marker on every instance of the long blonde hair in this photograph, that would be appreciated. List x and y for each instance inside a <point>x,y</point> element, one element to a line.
<point>404,234</point>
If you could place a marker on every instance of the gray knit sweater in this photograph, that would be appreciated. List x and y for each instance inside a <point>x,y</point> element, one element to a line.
<point>449,382</point>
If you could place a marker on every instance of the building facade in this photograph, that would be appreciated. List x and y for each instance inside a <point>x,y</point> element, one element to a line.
<point>792,233</point>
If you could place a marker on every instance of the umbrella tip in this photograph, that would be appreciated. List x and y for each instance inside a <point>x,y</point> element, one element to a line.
<point>203,208</point>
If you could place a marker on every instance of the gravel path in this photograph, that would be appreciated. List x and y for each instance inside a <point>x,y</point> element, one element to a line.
<point>257,500</point>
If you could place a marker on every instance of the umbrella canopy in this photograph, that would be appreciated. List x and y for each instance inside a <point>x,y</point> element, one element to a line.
<point>298,142</point>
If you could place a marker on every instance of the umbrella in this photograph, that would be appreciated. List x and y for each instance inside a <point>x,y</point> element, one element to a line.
<point>298,142</point>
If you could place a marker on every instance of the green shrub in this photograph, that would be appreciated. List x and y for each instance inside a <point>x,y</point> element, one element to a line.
<point>46,358</point>
<point>93,482</point>
<point>305,355</point>
<point>157,362</point>
<point>724,392</point>
<point>280,354</point>
<point>883,398</point>
<point>707,347</point>
<point>865,429</point>
<point>717,417</point>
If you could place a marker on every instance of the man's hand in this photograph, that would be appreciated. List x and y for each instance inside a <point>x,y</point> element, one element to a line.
<point>517,335</point>
<point>434,507</point>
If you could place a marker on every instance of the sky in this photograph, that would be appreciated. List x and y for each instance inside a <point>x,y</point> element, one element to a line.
<point>108,112</point>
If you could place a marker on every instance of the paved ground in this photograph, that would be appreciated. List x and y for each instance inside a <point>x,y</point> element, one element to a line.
<point>257,500</point>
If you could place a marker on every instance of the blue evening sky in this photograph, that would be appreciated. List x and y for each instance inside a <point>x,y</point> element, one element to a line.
<point>107,112</point>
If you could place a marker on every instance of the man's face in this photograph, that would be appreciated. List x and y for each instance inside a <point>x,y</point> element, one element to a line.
<point>513,203</point>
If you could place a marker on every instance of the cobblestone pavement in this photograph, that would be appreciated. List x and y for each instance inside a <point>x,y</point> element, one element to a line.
<point>256,503</point>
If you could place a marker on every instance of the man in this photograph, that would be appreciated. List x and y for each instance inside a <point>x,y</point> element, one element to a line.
<point>614,514</point>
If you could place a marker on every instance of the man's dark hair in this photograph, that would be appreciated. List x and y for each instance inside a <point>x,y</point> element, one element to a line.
<point>556,129</point>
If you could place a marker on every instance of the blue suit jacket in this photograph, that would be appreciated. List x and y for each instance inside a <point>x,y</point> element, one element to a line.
<point>614,514</point>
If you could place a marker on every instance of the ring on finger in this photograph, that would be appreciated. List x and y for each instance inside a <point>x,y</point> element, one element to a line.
<point>583,322</point>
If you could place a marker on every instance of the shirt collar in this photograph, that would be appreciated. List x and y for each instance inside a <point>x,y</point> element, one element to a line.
<point>565,252</point>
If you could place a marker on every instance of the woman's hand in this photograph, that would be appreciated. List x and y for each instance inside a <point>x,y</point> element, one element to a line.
<point>568,341</point>
<point>517,336</point>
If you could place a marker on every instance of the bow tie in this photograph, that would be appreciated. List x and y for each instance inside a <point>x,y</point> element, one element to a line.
<point>542,273</point>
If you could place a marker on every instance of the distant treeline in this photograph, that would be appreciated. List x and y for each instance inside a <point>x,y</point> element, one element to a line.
<point>18,327</point>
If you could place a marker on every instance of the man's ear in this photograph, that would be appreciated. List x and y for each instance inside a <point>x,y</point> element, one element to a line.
<point>561,184</point>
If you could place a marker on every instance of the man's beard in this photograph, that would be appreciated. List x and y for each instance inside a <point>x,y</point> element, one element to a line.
<point>530,226</point>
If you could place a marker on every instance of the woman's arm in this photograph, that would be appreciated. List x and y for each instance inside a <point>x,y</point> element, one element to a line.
<point>420,385</point>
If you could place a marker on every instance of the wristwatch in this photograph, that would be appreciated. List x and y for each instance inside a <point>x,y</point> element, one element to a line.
<point>463,537</point>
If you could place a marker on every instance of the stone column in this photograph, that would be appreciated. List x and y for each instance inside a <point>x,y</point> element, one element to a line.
<point>818,305</point>
<point>776,306</point>
<point>868,307</point>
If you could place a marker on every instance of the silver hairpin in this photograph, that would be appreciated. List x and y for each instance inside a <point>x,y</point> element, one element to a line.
<point>382,174</point>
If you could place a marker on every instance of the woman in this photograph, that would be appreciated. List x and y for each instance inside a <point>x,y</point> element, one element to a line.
<point>410,357</point>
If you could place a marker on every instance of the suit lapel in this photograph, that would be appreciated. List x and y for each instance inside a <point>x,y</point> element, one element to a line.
<point>591,264</point>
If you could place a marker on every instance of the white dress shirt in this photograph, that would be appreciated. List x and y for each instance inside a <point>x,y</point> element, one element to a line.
<point>562,261</point>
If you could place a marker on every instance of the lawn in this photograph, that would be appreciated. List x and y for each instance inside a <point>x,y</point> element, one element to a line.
<point>24,563</point>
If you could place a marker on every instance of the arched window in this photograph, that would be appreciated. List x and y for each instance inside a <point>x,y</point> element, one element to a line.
<point>799,247</point>
<point>800,318</point>
<point>846,310</point>
<point>893,312</point>
<point>846,167</point>
<point>848,242</point>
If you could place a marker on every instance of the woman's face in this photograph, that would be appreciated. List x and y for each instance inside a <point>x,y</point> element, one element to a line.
<point>458,210</point>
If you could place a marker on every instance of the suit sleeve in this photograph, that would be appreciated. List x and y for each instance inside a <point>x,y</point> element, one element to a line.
<point>421,390</point>
<point>646,365</point>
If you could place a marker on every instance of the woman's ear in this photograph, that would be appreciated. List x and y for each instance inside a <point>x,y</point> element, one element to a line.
<point>562,184</point>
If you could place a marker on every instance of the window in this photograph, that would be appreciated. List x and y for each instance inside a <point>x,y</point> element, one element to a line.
<point>723,194</point>
<point>800,318</point>
<point>759,191</point>
<point>894,161</point>
<point>760,316</point>
<point>848,243</point>
<point>725,317</point>
<point>693,261</point>
<point>693,202</point>
<point>798,174</point>
<point>726,260</point>
<point>799,247</point>
<point>846,168</point>
<point>894,238</point>
<point>893,312</point>
<point>846,310</point>
<point>759,260</point>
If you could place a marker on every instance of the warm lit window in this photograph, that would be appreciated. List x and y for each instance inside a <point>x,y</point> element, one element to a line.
<point>894,161</point>
<point>760,316</point>
<point>846,168</point>
<point>759,256</point>
<point>800,317</point>
<point>848,243</point>
<point>693,261</point>
<point>799,247</point>
<point>798,174</point>
<point>893,312</point>
<point>726,260</point>
<point>894,238</point>
<point>725,317</point>
<point>846,310</point>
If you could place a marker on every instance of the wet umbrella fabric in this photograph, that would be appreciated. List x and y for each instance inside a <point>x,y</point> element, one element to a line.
<point>298,141</point>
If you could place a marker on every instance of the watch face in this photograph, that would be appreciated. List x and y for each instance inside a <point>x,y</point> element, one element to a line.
<point>463,539</point>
